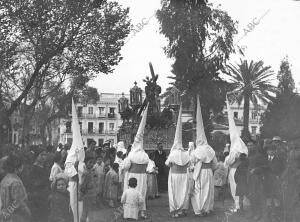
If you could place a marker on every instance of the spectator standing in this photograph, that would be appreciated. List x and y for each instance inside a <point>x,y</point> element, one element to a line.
<point>59,200</point>
<point>159,157</point>
<point>13,195</point>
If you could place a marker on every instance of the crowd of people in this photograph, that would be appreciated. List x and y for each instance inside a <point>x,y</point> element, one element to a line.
<point>267,180</point>
<point>37,183</point>
<point>34,186</point>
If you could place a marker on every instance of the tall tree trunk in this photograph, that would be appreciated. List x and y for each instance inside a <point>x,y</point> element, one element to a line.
<point>245,133</point>
<point>43,134</point>
<point>194,124</point>
<point>5,127</point>
<point>49,133</point>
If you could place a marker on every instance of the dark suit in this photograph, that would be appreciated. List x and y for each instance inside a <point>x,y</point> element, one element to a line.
<point>159,159</point>
<point>272,180</point>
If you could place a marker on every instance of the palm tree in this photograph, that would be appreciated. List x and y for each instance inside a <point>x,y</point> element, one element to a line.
<point>251,82</point>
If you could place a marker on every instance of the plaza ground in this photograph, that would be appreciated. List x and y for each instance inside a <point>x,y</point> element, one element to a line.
<point>158,211</point>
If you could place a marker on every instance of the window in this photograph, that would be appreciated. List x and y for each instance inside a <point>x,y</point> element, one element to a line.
<point>15,138</point>
<point>100,142</point>
<point>89,141</point>
<point>111,126</point>
<point>101,127</point>
<point>91,110</point>
<point>236,115</point>
<point>69,141</point>
<point>80,126</point>
<point>254,115</point>
<point>111,110</point>
<point>101,110</point>
<point>68,127</point>
<point>253,129</point>
<point>90,127</point>
<point>111,113</point>
<point>79,111</point>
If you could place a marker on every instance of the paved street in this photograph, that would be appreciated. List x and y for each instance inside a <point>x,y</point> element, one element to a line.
<point>158,211</point>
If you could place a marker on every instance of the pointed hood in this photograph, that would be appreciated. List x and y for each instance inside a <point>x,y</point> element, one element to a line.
<point>178,133</point>
<point>137,154</point>
<point>200,133</point>
<point>203,150</point>
<point>121,147</point>
<point>177,154</point>
<point>237,144</point>
<point>76,151</point>
<point>138,140</point>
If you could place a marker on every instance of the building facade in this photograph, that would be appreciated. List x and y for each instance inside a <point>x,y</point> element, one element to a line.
<point>255,114</point>
<point>98,121</point>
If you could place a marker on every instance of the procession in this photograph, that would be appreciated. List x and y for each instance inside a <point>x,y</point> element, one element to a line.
<point>211,133</point>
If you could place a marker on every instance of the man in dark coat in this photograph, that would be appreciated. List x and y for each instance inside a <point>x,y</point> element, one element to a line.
<point>159,157</point>
<point>272,183</point>
<point>257,165</point>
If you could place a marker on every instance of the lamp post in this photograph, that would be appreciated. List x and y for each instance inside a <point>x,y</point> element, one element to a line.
<point>136,96</point>
<point>128,111</point>
<point>123,105</point>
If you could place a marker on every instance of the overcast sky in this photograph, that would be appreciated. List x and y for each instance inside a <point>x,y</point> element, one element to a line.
<point>276,35</point>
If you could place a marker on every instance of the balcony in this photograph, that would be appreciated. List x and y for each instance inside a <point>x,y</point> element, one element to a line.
<point>101,115</point>
<point>111,131</point>
<point>68,130</point>
<point>111,115</point>
<point>93,132</point>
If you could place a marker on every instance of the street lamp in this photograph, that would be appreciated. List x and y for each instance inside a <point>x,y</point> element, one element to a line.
<point>135,96</point>
<point>122,104</point>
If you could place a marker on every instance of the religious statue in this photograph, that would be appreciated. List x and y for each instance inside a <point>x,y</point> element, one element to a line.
<point>152,91</point>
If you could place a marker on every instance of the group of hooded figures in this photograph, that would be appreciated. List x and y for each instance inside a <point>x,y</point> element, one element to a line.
<point>190,176</point>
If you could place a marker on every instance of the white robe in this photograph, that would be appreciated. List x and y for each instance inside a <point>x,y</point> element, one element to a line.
<point>139,157</point>
<point>178,182</point>
<point>203,194</point>
<point>202,197</point>
<point>230,161</point>
<point>75,204</point>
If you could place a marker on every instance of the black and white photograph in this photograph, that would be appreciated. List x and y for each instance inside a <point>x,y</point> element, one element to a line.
<point>149,110</point>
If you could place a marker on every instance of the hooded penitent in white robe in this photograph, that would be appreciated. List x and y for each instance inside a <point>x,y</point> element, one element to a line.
<point>232,160</point>
<point>76,153</point>
<point>204,160</point>
<point>178,161</point>
<point>137,161</point>
<point>121,147</point>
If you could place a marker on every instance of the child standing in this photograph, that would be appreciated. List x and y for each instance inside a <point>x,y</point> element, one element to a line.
<point>131,200</point>
<point>241,179</point>
<point>59,200</point>
<point>88,188</point>
<point>100,177</point>
<point>119,160</point>
<point>111,185</point>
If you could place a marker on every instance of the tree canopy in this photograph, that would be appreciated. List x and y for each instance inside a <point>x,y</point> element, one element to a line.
<point>282,115</point>
<point>200,41</point>
<point>55,39</point>
<point>43,43</point>
<point>252,83</point>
